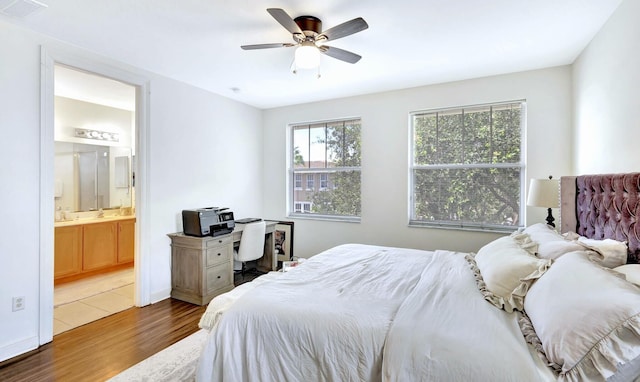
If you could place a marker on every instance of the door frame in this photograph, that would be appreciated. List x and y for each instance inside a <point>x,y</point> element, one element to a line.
<point>49,56</point>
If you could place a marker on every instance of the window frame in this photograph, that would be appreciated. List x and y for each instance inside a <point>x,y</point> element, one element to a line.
<point>521,165</point>
<point>291,211</point>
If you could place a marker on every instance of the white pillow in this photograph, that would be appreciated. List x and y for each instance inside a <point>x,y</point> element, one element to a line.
<point>587,319</point>
<point>551,244</point>
<point>631,272</point>
<point>507,269</point>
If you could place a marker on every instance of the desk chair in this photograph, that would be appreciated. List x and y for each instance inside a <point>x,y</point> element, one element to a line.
<point>251,245</point>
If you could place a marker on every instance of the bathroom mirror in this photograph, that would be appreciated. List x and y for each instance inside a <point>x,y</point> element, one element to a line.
<point>91,177</point>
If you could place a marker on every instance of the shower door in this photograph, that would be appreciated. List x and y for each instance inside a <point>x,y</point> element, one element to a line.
<point>93,179</point>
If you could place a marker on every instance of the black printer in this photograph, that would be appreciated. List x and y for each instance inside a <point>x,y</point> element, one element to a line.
<point>208,221</point>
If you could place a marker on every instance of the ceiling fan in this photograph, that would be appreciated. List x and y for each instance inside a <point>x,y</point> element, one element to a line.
<point>310,39</point>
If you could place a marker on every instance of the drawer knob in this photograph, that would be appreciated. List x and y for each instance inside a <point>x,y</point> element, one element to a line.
<point>219,254</point>
<point>218,276</point>
<point>219,241</point>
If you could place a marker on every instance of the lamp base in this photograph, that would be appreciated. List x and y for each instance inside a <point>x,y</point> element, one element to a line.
<point>550,219</point>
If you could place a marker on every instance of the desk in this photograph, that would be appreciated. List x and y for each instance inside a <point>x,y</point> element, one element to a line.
<point>202,267</point>
<point>268,262</point>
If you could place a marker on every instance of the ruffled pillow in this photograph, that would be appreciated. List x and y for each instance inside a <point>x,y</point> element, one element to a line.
<point>551,244</point>
<point>608,252</point>
<point>505,268</point>
<point>587,319</point>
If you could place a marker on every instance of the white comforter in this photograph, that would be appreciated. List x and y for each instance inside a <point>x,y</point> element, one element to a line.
<point>366,313</point>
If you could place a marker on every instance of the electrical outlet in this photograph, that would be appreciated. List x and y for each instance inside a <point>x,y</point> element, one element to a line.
<point>18,303</point>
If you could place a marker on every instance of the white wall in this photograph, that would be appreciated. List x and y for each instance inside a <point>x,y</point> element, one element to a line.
<point>204,150</point>
<point>71,114</point>
<point>19,188</point>
<point>385,146</point>
<point>606,80</point>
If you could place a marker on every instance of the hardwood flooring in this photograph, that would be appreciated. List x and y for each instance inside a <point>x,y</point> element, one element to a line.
<point>101,349</point>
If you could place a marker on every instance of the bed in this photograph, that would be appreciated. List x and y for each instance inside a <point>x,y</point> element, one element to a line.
<point>527,307</point>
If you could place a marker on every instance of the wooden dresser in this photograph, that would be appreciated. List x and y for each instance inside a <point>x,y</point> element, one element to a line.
<point>201,267</point>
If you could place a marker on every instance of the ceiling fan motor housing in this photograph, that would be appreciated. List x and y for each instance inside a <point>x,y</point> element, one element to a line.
<point>310,25</point>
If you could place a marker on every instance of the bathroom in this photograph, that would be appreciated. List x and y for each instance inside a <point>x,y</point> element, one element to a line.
<point>94,190</point>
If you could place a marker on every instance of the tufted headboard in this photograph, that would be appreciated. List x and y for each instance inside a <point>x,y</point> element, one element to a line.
<point>603,207</point>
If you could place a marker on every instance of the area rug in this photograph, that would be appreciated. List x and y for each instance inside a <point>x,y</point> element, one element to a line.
<point>176,363</point>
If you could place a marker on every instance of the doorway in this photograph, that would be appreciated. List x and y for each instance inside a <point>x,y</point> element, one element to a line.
<point>51,56</point>
<point>94,197</point>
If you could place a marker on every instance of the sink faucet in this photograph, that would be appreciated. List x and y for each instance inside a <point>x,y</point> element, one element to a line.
<point>100,213</point>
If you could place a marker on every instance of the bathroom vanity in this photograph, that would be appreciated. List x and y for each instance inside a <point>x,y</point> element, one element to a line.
<point>85,247</point>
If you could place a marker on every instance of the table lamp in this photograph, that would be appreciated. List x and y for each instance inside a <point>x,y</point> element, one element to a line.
<point>544,193</point>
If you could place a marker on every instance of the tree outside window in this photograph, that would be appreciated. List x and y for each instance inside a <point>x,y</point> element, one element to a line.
<point>331,151</point>
<point>467,169</point>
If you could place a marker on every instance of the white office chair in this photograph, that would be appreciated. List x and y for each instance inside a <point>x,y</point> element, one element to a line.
<point>251,245</point>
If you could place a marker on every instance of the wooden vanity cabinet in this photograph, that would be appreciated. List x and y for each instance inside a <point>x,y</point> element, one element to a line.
<point>100,245</point>
<point>126,241</point>
<point>88,248</point>
<point>68,251</point>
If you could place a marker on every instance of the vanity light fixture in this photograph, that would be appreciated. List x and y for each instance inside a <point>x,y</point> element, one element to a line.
<point>99,135</point>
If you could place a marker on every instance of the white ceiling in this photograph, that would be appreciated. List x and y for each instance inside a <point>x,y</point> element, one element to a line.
<point>409,42</point>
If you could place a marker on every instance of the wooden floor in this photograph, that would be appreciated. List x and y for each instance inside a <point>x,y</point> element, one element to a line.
<point>101,349</point>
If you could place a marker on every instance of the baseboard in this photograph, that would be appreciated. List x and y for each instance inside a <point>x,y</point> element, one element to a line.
<point>17,348</point>
<point>159,296</point>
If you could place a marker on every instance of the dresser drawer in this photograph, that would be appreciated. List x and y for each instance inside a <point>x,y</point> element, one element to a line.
<point>218,255</point>
<point>218,277</point>
<point>221,240</point>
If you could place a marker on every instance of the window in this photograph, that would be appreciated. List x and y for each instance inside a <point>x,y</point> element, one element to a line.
<point>329,151</point>
<point>302,207</point>
<point>467,167</point>
<point>309,181</point>
<point>323,181</point>
<point>298,185</point>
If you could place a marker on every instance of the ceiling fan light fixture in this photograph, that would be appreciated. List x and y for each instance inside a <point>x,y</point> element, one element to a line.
<point>307,56</point>
<point>310,40</point>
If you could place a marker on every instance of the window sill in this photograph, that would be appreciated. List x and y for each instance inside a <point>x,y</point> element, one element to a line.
<point>457,227</point>
<point>309,216</point>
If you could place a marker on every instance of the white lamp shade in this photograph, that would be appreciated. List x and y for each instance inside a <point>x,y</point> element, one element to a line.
<point>544,193</point>
<point>307,56</point>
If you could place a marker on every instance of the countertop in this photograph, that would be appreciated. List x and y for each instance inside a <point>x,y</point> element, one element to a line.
<point>105,219</point>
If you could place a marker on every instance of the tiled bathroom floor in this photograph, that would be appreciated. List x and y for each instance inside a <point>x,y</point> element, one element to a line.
<point>79,302</point>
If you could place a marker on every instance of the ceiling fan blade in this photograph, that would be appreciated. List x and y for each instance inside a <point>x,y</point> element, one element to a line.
<point>285,20</point>
<point>267,46</point>
<point>345,29</point>
<point>340,54</point>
